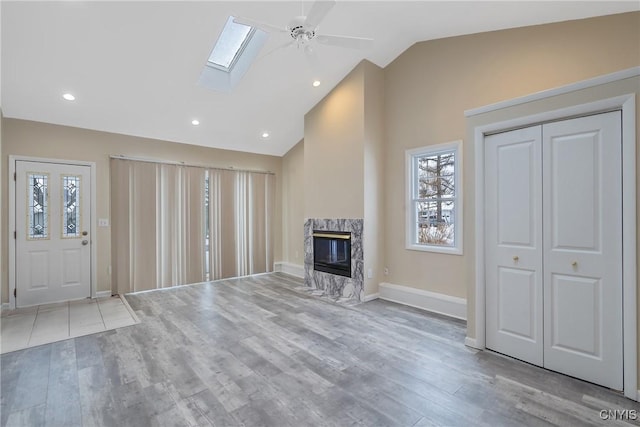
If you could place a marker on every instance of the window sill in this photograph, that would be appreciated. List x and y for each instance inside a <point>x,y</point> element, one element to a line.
<point>435,249</point>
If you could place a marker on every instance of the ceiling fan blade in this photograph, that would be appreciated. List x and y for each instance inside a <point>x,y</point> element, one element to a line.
<point>260,25</point>
<point>344,41</point>
<point>282,46</point>
<point>317,13</point>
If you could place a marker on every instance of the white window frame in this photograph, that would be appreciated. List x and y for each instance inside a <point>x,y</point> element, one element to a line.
<point>411,220</point>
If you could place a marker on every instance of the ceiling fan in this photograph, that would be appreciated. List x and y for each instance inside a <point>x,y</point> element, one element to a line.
<point>303,30</point>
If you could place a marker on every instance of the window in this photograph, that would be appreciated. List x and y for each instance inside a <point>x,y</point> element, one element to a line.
<point>71,220</point>
<point>434,198</point>
<point>233,53</point>
<point>230,44</point>
<point>38,206</point>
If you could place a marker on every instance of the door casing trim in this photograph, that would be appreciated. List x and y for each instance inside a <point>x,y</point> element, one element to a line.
<point>12,220</point>
<point>625,103</point>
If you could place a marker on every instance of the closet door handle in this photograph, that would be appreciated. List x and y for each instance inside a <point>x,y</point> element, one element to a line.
<point>516,258</point>
<point>574,264</point>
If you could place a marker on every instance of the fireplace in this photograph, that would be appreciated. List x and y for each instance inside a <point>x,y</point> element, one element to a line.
<point>332,252</point>
<point>345,279</point>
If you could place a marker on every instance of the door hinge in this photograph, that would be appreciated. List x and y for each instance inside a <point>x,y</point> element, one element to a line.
<point>15,234</point>
<point>15,292</point>
<point>14,176</point>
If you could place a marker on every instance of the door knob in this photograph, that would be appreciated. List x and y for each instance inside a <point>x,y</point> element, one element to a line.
<point>574,264</point>
<point>516,258</point>
<point>84,233</point>
<point>85,242</point>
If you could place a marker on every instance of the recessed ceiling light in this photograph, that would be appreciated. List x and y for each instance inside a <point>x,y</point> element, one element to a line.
<point>316,83</point>
<point>195,122</point>
<point>69,97</point>
<point>265,135</point>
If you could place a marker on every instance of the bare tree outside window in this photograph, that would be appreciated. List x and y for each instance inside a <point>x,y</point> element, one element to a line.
<point>433,197</point>
<point>436,193</point>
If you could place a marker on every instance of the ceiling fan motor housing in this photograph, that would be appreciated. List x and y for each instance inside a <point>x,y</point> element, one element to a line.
<point>301,34</point>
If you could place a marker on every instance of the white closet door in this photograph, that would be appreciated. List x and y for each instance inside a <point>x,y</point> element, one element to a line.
<point>513,221</point>
<point>582,190</point>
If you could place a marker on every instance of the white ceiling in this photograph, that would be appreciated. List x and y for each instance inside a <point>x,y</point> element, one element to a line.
<point>133,66</point>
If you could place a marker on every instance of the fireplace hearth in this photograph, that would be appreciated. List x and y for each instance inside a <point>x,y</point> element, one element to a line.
<point>333,258</point>
<point>332,252</point>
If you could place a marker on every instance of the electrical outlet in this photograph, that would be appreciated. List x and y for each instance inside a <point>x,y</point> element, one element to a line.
<point>103,222</point>
<point>386,271</point>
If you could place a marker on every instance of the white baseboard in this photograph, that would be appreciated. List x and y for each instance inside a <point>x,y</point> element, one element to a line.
<point>291,269</point>
<point>430,301</point>
<point>102,294</point>
<point>371,297</point>
<point>471,342</point>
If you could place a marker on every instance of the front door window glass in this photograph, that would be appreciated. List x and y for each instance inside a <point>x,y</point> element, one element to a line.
<point>38,206</point>
<point>70,206</point>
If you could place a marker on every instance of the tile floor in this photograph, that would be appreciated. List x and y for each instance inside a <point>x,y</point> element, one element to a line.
<point>43,324</point>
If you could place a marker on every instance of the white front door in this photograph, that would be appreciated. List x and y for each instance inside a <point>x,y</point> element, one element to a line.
<point>53,217</point>
<point>583,248</point>
<point>553,246</point>
<point>513,224</point>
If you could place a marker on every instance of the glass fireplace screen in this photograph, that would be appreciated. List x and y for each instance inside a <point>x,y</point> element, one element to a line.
<point>332,252</point>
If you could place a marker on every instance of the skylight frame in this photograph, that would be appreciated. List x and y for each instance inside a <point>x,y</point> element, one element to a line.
<point>239,51</point>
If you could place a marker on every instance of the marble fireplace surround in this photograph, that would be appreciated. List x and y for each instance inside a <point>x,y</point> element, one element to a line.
<point>336,287</point>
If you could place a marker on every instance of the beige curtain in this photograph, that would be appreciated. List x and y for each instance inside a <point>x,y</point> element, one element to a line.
<point>157,215</point>
<point>158,224</point>
<point>240,223</point>
<point>180,225</point>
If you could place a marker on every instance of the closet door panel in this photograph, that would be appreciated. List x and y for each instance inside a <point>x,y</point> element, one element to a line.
<point>582,210</point>
<point>513,244</point>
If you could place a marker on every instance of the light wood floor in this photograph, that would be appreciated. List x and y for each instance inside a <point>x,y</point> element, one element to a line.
<point>255,351</point>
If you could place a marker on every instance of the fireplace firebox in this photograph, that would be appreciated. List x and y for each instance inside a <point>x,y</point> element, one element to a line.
<point>332,252</point>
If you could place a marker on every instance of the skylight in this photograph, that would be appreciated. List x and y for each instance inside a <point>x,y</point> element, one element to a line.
<point>230,44</point>
<point>235,50</point>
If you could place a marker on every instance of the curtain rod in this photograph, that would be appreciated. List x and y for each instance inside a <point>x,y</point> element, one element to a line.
<point>169,162</point>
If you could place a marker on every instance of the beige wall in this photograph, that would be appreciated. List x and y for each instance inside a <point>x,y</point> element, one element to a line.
<point>428,88</point>
<point>3,273</point>
<point>36,139</point>
<point>293,205</point>
<point>333,152</point>
<point>373,238</point>
<point>343,160</point>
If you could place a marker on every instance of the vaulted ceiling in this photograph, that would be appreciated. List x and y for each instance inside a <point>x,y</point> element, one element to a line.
<point>134,66</point>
